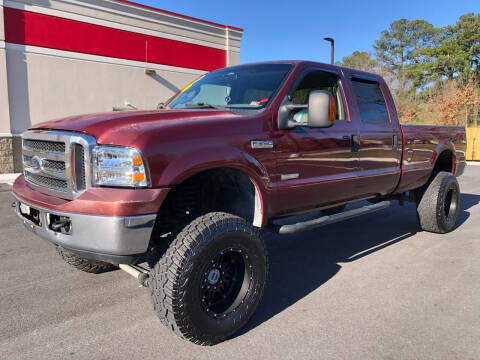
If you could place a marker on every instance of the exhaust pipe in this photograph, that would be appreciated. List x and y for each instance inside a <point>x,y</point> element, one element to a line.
<point>137,272</point>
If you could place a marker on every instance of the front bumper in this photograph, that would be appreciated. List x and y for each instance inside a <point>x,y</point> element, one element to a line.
<point>116,239</point>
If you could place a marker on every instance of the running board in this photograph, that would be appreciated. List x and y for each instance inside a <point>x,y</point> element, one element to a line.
<point>330,219</point>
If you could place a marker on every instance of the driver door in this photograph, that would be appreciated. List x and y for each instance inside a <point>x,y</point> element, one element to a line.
<point>315,167</point>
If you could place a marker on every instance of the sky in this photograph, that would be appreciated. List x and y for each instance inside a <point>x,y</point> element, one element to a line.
<point>294,29</point>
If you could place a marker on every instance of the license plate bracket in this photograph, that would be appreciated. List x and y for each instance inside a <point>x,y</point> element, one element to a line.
<point>30,213</point>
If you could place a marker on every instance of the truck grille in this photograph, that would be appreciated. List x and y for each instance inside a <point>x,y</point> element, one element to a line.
<point>51,183</point>
<point>57,163</point>
<point>47,164</point>
<point>47,146</point>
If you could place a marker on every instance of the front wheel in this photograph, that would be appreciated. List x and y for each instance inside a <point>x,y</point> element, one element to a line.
<point>211,279</point>
<point>438,203</point>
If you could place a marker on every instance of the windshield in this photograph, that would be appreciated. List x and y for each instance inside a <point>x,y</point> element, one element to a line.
<point>241,87</point>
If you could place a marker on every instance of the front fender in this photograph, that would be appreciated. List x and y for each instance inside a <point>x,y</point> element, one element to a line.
<point>194,162</point>
<point>191,163</point>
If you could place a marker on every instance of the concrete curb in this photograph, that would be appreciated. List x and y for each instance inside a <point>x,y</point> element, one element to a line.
<point>474,163</point>
<point>8,178</point>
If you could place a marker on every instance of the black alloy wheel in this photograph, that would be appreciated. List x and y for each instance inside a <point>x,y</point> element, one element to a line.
<point>225,282</point>
<point>211,279</point>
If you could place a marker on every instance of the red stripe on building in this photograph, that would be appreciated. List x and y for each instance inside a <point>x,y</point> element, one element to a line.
<point>29,28</point>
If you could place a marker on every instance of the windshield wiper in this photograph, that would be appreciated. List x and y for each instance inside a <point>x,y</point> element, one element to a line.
<point>203,105</point>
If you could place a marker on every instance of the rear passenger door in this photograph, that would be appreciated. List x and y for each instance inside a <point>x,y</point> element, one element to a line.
<point>380,137</point>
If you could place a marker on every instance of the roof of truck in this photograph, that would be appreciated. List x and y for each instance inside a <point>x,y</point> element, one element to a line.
<point>315,63</point>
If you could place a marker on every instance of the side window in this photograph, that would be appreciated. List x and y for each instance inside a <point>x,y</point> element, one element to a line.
<point>317,80</point>
<point>370,101</point>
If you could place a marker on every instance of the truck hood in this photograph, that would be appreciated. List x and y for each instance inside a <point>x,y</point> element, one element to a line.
<point>122,128</point>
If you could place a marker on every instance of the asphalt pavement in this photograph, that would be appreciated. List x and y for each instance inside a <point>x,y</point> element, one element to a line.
<point>374,287</point>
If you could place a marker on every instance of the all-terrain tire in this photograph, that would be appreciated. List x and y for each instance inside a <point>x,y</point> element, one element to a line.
<point>197,261</point>
<point>438,203</point>
<point>85,265</point>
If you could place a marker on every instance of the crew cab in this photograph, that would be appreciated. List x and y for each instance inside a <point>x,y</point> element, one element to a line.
<point>179,196</point>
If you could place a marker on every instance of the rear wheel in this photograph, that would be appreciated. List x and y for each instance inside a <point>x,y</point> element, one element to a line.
<point>438,203</point>
<point>85,265</point>
<point>211,279</point>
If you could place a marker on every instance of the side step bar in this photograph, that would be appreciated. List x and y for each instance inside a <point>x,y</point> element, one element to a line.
<point>330,219</point>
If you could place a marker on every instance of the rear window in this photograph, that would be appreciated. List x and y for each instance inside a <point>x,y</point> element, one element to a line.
<point>370,101</point>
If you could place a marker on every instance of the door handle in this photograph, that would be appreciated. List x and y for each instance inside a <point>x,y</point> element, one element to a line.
<point>354,144</point>
<point>395,142</point>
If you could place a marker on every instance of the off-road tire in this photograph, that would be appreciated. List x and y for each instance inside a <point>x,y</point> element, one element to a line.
<point>334,210</point>
<point>85,265</point>
<point>178,279</point>
<point>438,203</point>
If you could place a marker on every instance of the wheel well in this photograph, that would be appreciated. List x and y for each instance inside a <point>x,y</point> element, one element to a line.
<point>444,162</point>
<point>222,189</point>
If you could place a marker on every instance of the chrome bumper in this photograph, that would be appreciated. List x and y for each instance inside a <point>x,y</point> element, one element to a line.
<point>107,235</point>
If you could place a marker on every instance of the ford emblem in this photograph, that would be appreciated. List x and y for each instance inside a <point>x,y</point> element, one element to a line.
<point>36,163</point>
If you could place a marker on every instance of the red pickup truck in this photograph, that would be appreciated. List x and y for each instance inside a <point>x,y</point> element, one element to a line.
<point>189,188</point>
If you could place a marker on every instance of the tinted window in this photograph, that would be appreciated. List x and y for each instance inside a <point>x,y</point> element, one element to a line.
<point>370,101</point>
<point>317,80</point>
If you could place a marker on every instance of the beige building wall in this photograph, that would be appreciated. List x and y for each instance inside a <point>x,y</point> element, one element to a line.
<point>45,87</point>
<point>45,83</point>
<point>4,113</point>
<point>233,46</point>
<point>2,29</point>
<point>6,147</point>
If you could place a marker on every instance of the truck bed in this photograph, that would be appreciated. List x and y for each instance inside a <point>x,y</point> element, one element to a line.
<point>422,145</point>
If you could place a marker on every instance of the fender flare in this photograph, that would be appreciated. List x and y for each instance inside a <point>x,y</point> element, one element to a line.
<point>192,163</point>
<point>439,149</point>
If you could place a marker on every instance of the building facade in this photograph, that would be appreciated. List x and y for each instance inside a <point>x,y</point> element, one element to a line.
<point>65,57</point>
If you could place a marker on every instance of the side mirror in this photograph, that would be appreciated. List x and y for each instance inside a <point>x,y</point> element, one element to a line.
<point>321,109</point>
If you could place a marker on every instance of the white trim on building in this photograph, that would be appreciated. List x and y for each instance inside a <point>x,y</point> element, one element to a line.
<point>100,59</point>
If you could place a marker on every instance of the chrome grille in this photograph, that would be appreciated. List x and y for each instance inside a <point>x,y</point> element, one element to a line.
<point>47,164</point>
<point>56,162</point>
<point>51,183</point>
<point>50,146</point>
<point>81,180</point>
<point>54,165</point>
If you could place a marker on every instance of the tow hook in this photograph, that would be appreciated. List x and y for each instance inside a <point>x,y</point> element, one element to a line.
<point>57,225</point>
<point>138,272</point>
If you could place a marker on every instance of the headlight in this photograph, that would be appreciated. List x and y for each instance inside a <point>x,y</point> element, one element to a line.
<point>118,166</point>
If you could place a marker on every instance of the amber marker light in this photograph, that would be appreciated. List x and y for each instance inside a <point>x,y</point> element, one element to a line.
<point>331,109</point>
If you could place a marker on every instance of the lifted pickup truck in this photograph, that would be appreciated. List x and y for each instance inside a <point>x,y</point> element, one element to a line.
<point>188,188</point>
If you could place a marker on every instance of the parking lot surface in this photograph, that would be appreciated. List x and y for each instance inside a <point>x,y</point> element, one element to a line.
<point>374,287</point>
